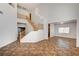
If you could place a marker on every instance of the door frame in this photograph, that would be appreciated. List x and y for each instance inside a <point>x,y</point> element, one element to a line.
<point>49,31</point>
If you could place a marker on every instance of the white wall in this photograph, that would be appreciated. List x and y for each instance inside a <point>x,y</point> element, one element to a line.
<point>8,29</point>
<point>37,18</point>
<point>33,36</point>
<point>77,41</point>
<point>45,29</point>
<point>72,31</point>
<point>56,12</point>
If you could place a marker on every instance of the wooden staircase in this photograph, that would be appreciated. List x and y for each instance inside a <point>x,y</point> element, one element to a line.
<point>34,27</point>
<point>28,19</point>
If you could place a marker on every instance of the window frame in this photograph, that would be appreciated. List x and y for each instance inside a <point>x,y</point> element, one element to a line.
<point>63,30</point>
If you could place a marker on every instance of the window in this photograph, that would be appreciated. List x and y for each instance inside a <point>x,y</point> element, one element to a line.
<point>63,30</point>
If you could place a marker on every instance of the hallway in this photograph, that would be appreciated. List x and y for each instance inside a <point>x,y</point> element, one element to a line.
<point>57,46</point>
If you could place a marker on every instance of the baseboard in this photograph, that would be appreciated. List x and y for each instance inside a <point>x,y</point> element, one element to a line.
<point>64,37</point>
<point>7,43</point>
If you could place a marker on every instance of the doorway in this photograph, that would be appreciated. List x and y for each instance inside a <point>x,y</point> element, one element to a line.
<point>48,31</point>
<point>21,32</point>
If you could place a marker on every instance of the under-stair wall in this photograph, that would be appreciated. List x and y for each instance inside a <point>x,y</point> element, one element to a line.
<point>33,36</point>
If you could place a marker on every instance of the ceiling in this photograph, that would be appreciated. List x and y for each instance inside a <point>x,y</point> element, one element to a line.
<point>54,12</point>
